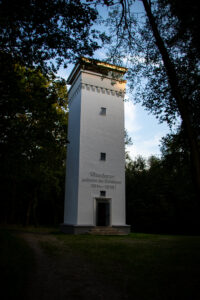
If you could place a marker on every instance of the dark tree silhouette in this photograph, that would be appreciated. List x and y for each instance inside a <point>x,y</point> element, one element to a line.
<point>164,55</point>
<point>35,31</point>
<point>33,142</point>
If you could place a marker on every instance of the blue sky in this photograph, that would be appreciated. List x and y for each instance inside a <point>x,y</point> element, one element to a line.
<point>142,127</point>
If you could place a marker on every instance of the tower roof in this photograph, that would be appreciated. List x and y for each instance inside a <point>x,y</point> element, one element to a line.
<point>96,66</point>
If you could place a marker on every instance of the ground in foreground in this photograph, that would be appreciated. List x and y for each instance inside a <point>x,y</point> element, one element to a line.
<point>138,266</point>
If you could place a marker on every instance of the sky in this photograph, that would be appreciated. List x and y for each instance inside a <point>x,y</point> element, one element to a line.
<point>143,128</point>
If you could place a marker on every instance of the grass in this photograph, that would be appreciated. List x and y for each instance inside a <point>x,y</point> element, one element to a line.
<point>16,263</point>
<point>143,266</point>
<point>139,266</point>
<point>32,229</point>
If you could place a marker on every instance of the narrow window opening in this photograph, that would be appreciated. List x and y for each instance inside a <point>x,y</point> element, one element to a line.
<point>102,156</point>
<point>103,111</point>
<point>102,193</point>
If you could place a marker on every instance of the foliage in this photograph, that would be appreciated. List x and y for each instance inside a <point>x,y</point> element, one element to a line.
<point>162,61</point>
<point>160,192</point>
<point>134,41</point>
<point>36,37</point>
<point>33,143</point>
<point>35,31</point>
<point>188,22</point>
<point>127,139</point>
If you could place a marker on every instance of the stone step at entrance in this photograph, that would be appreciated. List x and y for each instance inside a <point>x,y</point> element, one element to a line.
<point>106,230</point>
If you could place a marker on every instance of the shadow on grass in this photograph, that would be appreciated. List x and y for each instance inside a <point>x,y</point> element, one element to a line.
<point>140,266</point>
<point>143,266</point>
<point>16,263</point>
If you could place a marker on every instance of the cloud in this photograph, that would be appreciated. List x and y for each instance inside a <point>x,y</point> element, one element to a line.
<point>131,121</point>
<point>145,147</point>
<point>144,130</point>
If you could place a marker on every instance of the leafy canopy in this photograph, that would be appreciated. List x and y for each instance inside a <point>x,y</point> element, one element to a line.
<point>134,42</point>
<point>34,115</point>
<point>35,31</point>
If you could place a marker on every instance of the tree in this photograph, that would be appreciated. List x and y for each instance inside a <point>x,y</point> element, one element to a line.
<point>47,33</point>
<point>160,193</point>
<point>176,164</point>
<point>176,79</point>
<point>145,196</point>
<point>161,54</point>
<point>33,143</point>
<point>189,22</point>
<point>36,37</point>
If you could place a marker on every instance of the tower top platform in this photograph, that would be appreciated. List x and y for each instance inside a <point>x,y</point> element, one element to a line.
<point>97,66</point>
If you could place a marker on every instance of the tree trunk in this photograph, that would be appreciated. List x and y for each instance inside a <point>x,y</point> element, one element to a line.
<point>13,218</point>
<point>35,204</point>
<point>176,92</point>
<point>28,213</point>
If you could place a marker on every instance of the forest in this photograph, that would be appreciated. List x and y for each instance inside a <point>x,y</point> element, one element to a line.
<point>161,47</point>
<point>160,193</point>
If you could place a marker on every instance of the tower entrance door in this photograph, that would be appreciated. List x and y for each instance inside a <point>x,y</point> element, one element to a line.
<point>103,212</point>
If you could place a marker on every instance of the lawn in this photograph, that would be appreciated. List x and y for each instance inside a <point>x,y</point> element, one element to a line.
<point>138,266</point>
<point>16,264</point>
<point>143,266</point>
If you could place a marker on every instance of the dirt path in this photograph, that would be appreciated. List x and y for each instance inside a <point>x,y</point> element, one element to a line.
<point>65,275</point>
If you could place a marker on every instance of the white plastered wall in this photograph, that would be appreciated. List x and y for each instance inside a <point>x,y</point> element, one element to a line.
<point>72,171</point>
<point>99,133</point>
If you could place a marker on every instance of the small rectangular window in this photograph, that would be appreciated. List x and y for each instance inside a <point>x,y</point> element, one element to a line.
<point>102,156</point>
<point>102,193</point>
<point>103,111</point>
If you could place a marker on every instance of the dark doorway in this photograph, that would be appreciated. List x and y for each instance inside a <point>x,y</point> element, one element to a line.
<point>103,213</point>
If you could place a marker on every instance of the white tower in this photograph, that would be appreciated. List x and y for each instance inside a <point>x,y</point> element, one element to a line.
<point>95,179</point>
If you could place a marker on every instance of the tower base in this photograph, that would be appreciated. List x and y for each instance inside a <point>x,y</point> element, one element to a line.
<point>95,230</point>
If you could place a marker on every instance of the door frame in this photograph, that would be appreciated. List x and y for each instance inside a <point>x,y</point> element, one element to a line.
<point>102,200</point>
